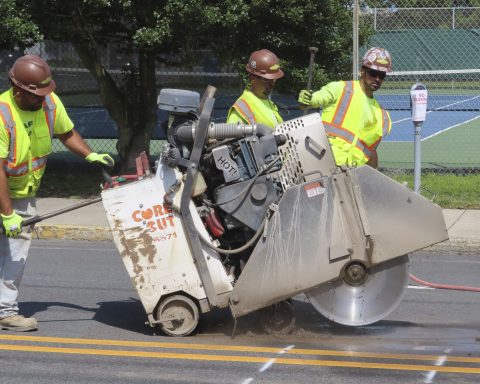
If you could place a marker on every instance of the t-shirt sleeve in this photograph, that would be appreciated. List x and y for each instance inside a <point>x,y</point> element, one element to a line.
<point>327,95</point>
<point>235,117</point>
<point>4,142</point>
<point>63,124</point>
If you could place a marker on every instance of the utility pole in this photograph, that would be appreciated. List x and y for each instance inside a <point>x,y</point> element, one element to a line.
<point>355,39</point>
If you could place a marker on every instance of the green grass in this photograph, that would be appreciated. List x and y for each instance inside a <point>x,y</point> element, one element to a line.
<point>448,191</point>
<point>455,148</point>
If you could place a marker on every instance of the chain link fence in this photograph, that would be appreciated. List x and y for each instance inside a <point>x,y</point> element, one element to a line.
<point>79,91</point>
<point>440,48</point>
<point>436,46</point>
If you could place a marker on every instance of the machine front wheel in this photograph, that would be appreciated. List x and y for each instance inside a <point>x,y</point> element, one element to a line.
<point>178,315</point>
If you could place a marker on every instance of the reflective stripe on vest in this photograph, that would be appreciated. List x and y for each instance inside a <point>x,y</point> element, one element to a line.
<point>244,109</point>
<point>385,127</point>
<point>7,117</point>
<point>349,137</point>
<point>343,104</point>
<point>38,162</point>
<point>50,110</point>
<point>335,128</point>
<point>9,124</point>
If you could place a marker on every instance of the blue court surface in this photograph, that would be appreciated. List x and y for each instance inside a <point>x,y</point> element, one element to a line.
<point>444,112</point>
<point>436,123</point>
<point>96,123</point>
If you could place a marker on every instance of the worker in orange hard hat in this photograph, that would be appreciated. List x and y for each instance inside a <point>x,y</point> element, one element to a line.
<point>254,105</point>
<point>31,114</point>
<point>354,121</point>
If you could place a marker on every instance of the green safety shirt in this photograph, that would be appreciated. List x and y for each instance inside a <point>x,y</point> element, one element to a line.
<point>355,124</point>
<point>26,141</point>
<point>250,109</point>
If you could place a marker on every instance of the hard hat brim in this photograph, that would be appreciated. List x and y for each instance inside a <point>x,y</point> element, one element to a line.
<point>272,76</point>
<point>44,91</point>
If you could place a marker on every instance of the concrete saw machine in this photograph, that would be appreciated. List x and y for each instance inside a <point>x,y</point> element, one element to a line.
<point>246,217</point>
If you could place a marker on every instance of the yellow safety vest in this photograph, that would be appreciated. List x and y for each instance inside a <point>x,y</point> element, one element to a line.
<point>253,110</point>
<point>354,136</point>
<point>27,156</point>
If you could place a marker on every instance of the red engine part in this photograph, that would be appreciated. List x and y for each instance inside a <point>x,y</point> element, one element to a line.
<point>214,225</point>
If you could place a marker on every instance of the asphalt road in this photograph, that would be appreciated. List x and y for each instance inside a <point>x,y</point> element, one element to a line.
<point>92,331</point>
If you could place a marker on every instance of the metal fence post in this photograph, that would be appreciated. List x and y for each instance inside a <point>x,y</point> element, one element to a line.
<point>355,22</point>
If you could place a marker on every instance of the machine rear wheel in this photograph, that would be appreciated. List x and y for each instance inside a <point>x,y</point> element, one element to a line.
<point>178,315</point>
<point>279,318</point>
<point>363,296</point>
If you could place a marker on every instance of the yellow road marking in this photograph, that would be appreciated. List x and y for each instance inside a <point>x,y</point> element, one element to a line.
<point>240,359</point>
<point>233,348</point>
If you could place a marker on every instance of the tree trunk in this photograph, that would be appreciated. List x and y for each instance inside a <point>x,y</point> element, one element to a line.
<point>142,112</point>
<point>133,108</point>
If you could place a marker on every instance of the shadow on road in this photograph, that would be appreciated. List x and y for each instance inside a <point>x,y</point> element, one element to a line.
<point>126,314</point>
<point>130,315</point>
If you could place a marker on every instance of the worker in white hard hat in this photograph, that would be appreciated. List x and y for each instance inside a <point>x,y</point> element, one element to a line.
<point>354,121</point>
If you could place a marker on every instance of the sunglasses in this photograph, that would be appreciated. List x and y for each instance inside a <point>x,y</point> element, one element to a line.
<point>374,73</point>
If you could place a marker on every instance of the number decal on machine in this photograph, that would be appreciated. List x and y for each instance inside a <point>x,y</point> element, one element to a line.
<point>314,189</point>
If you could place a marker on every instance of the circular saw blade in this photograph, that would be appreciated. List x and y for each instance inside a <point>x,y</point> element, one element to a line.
<point>366,303</point>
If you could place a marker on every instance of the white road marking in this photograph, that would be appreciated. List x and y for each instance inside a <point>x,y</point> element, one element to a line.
<point>439,362</point>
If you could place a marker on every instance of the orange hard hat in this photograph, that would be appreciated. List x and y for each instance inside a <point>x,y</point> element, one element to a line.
<point>264,63</point>
<point>32,74</point>
<point>378,59</point>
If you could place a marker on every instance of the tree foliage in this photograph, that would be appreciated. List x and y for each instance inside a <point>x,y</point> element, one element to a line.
<point>154,31</point>
<point>16,27</point>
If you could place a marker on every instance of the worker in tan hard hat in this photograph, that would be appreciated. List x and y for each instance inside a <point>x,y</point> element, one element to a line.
<point>31,114</point>
<point>255,105</point>
<point>354,121</point>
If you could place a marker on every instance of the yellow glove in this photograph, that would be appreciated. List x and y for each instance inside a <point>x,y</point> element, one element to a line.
<point>305,97</point>
<point>12,224</point>
<point>103,159</point>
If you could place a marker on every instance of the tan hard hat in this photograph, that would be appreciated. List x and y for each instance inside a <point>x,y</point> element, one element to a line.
<point>378,59</point>
<point>32,74</point>
<point>265,64</point>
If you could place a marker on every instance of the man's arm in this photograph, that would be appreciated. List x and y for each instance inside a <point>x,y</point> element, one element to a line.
<point>5,200</point>
<point>373,161</point>
<point>75,143</point>
<point>327,95</point>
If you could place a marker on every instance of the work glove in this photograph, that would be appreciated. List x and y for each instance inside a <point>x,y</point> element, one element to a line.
<point>305,97</point>
<point>102,159</point>
<point>12,224</point>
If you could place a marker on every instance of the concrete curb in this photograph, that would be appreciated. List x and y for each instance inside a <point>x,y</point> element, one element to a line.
<point>91,233</point>
<point>71,232</point>
<point>456,245</point>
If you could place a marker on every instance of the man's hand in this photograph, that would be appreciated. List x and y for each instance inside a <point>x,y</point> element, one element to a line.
<point>305,97</point>
<point>12,224</point>
<point>103,159</point>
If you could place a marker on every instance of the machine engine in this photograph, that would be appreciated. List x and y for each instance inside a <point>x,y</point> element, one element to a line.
<point>238,168</point>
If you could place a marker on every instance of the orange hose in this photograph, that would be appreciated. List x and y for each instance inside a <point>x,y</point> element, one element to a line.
<point>444,286</point>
